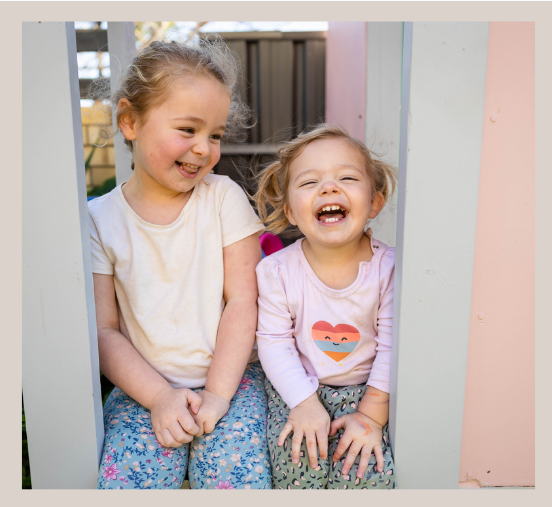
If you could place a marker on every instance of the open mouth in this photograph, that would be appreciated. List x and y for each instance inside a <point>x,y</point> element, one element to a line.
<point>188,168</point>
<point>331,213</point>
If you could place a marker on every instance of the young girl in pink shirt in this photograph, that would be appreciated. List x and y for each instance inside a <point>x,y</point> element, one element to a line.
<point>325,315</point>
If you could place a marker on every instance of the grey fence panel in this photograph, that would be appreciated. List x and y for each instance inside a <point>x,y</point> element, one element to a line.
<point>253,91</point>
<point>315,80</point>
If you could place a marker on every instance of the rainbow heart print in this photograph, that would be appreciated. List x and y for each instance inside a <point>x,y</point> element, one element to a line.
<point>336,342</point>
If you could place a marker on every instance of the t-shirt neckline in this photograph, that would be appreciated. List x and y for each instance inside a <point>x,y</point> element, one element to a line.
<point>363,268</point>
<point>128,207</point>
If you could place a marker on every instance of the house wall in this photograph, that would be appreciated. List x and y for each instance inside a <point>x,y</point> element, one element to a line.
<point>498,436</point>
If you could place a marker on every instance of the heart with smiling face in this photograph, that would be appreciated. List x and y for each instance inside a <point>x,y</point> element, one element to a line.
<point>336,342</point>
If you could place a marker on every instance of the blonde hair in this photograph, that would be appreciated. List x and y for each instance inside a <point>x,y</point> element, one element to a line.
<point>273,181</point>
<point>147,80</point>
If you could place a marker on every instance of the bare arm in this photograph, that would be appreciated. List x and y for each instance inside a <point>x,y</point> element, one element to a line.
<point>121,363</point>
<point>236,332</point>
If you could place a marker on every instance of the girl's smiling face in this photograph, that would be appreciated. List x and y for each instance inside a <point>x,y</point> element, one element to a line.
<point>330,193</point>
<point>179,141</point>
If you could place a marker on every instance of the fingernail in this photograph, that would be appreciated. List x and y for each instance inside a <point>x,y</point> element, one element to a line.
<point>295,460</point>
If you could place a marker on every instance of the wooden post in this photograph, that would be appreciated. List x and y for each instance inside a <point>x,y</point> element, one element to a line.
<point>383,115</point>
<point>61,384</point>
<point>121,42</point>
<point>444,69</point>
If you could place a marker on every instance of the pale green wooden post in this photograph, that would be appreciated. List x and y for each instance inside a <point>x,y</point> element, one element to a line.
<point>121,42</point>
<point>443,89</point>
<point>61,385</point>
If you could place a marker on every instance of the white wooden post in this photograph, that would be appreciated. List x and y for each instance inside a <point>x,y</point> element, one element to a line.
<point>440,149</point>
<point>121,43</point>
<point>61,385</point>
<point>383,100</point>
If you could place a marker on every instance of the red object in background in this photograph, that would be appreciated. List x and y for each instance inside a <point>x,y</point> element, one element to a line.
<point>270,243</point>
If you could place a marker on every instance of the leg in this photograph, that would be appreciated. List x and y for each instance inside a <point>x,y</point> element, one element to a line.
<point>132,458</point>
<point>285,474</point>
<point>235,454</point>
<point>341,401</point>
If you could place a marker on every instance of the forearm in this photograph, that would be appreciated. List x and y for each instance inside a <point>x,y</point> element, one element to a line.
<point>375,405</point>
<point>123,365</point>
<point>235,339</point>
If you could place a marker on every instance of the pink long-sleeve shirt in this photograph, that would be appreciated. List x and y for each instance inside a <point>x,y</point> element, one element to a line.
<point>309,334</point>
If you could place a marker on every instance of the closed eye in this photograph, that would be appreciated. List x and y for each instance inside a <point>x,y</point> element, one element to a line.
<point>306,183</point>
<point>344,339</point>
<point>187,130</point>
<point>327,338</point>
<point>216,137</point>
<point>349,178</point>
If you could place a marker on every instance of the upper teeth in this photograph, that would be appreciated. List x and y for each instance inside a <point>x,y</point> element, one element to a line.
<point>330,208</point>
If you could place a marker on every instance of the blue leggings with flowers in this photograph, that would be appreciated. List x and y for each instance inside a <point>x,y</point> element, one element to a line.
<point>233,456</point>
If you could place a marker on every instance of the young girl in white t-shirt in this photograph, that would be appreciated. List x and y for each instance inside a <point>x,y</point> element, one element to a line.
<point>174,252</point>
<point>325,315</point>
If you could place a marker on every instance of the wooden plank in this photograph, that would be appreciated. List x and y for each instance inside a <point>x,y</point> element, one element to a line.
<point>61,384</point>
<point>441,138</point>
<point>240,48</point>
<point>276,69</point>
<point>299,88</point>
<point>383,100</point>
<point>253,92</point>
<point>249,149</point>
<point>122,42</point>
<point>91,40</point>
<point>258,35</point>
<point>315,81</point>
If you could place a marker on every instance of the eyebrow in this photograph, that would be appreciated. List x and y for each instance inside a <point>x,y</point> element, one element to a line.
<point>344,166</point>
<point>195,119</point>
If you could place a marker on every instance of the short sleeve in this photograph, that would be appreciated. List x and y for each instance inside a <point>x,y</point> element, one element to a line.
<point>237,217</point>
<point>100,262</point>
<point>381,368</point>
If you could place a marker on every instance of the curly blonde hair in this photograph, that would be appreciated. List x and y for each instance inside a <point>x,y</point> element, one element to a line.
<point>273,181</point>
<point>147,80</point>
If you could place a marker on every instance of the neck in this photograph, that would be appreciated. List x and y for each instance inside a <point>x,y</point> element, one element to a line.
<point>340,256</point>
<point>142,187</point>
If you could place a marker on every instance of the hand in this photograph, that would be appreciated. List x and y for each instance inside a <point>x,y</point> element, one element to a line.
<point>170,417</point>
<point>311,420</point>
<point>213,408</point>
<point>363,435</point>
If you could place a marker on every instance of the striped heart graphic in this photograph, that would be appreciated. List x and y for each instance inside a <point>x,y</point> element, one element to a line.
<point>336,342</point>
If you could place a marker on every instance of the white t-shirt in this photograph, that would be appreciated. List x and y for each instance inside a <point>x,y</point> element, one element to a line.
<point>169,278</point>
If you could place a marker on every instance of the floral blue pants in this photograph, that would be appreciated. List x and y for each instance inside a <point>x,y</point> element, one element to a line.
<point>233,456</point>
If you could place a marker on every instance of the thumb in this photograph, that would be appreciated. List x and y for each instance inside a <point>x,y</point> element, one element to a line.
<point>336,425</point>
<point>194,401</point>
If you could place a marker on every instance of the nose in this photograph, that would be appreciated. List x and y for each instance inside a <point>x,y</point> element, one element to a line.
<point>329,187</point>
<point>201,148</point>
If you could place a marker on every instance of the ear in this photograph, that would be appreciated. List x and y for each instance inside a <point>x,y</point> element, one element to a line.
<point>128,122</point>
<point>376,205</point>
<point>289,215</point>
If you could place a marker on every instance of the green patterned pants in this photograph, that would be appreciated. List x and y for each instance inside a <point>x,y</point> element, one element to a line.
<point>337,401</point>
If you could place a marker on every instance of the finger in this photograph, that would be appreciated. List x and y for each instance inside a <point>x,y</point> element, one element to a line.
<point>336,425</point>
<point>286,430</point>
<point>187,422</point>
<point>379,457</point>
<point>208,427</point>
<point>322,438</point>
<point>354,449</point>
<point>344,443</point>
<point>312,450</point>
<point>168,439</point>
<point>296,442</point>
<point>194,401</point>
<point>365,456</point>
<point>179,435</point>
